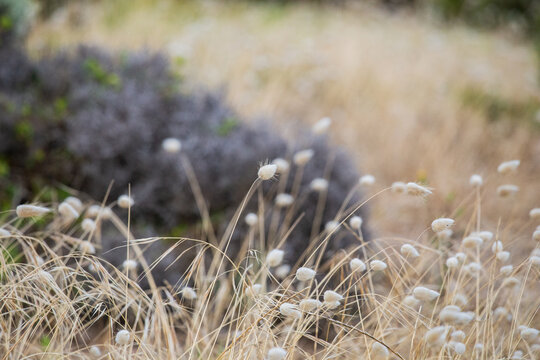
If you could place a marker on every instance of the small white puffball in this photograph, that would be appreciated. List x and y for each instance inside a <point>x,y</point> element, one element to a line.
<point>171,145</point>
<point>535,260</point>
<point>472,241</point>
<point>399,187</point>
<point>535,252</point>
<point>425,294</point>
<point>357,265</point>
<point>93,211</point>
<point>284,200</point>
<point>457,335</point>
<point>88,225</point>
<point>26,211</point>
<point>123,337</point>
<point>68,211</point>
<point>528,334</point>
<point>503,256</point>
<point>452,262</point>
<point>441,224</point>
<point>485,235</point>
<point>188,293</point>
<point>75,203</point>
<point>476,180</point>
<point>445,234</point>
<point>473,269</point>
<point>501,312</point>
<point>251,219</point>
<point>379,351</point>
<point>309,305</point>
<point>282,165</point>
<point>409,251</point>
<point>452,314</point>
<point>508,166</point>
<point>267,172</point>
<point>332,296</point>
<point>497,246</point>
<point>460,300</point>
<point>478,347</point>
<point>355,222</point>
<point>534,213</point>
<point>290,310</point>
<point>130,265</point>
<point>283,271</point>
<point>319,185</point>
<point>506,270</point>
<point>518,354</point>
<point>367,180</point>
<point>321,126</point>
<point>331,226</point>
<point>378,265</point>
<point>536,235</point>
<point>411,301</point>
<point>255,289</point>
<point>125,201</point>
<point>332,305</point>
<point>94,351</point>
<point>436,336</point>
<point>276,353</point>
<point>305,274</point>
<point>274,257</point>
<point>535,348</point>
<point>458,347</point>
<point>507,190</point>
<point>302,157</point>
<point>510,282</point>
<point>461,257</point>
<point>87,247</point>
<point>4,232</point>
<point>417,190</point>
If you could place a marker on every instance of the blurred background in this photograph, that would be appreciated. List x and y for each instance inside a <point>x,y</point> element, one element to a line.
<point>427,91</point>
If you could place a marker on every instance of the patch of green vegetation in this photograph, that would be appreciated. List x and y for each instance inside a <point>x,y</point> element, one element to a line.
<point>4,167</point>
<point>45,342</point>
<point>98,73</point>
<point>12,254</point>
<point>24,130</point>
<point>60,106</point>
<point>5,22</point>
<point>228,125</point>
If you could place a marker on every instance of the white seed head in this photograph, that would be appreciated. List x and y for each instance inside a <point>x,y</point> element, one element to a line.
<point>485,235</point>
<point>460,300</point>
<point>445,234</point>
<point>379,351</point>
<point>508,166</point>
<point>458,335</point>
<point>274,257</point>
<point>88,225</point>
<point>305,274</point>
<point>87,247</point>
<point>367,180</point>
<point>302,157</point>
<point>534,213</point>
<point>130,265</point>
<point>321,126</point>
<point>518,354</point>
<point>507,270</point>
<point>436,336</point>
<point>4,232</point>
<point>503,256</point>
<point>283,271</point>
<point>535,260</point>
<point>332,296</point>
<point>399,187</point>
<point>282,165</point>
<point>93,211</point>
<point>125,201</point>
<point>290,310</point>
<point>535,252</point>
<point>355,222</point>
<point>171,145</point>
<point>67,211</point>
<point>452,262</point>
<point>284,200</point>
<point>510,282</point>
<point>441,224</point>
<point>472,241</point>
<point>473,269</point>
<point>267,172</point>
<point>425,294</point>
<point>378,265</point>
<point>461,257</point>
<point>476,180</point>
<point>123,337</point>
<point>507,190</point>
<point>411,301</point>
<point>94,351</point>
<point>75,202</point>
<point>536,235</point>
<point>497,247</point>
<point>478,347</point>
<point>417,190</point>
<point>319,185</point>
<point>331,226</point>
<point>357,265</point>
<point>452,314</point>
<point>501,312</point>
<point>255,289</point>
<point>332,305</point>
<point>276,353</point>
<point>458,347</point>
<point>528,334</point>
<point>188,293</point>
<point>409,251</point>
<point>45,276</point>
<point>25,211</point>
<point>309,305</point>
<point>251,219</point>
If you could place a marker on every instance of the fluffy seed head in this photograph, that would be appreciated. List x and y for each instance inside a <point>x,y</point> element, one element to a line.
<point>171,145</point>
<point>123,337</point>
<point>255,289</point>
<point>536,235</point>
<point>276,353</point>
<point>445,234</point>
<point>461,257</point>
<point>457,335</point>
<point>75,202</point>
<point>458,347</point>
<point>379,351</point>
<point>282,165</point>
<point>436,336</point>
<point>309,305</point>
<point>267,172</point>
<point>452,262</point>
<point>507,270</point>
<point>508,166</point>
<point>507,190</point>
<point>319,185</point>
<point>460,299</point>
<point>367,180</point>
<point>67,211</point>
<point>251,219</point>
<point>125,201</point>
<point>485,235</point>
<point>94,351</point>
<point>355,222</point>
<point>528,334</point>
<point>87,247</point>
<point>290,310</point>
<point>497,246</point>
<point>425,294</point>
<point>473,269</point>
<point>305,274</point>
<point>399,187</point>
<point>331,226</point>
<point>503,256</point>
<point>332,296</point>
<point>409,251</point>
<point>274,257</point>
<point>535,260</point>
<point>130,265</point>
<point>476,180</point>
<point>283,271</point>
<point>472,241</point>
<point>26,211</point>
<point>417,190</point>
<point>441,224</point>
<point>88,225</point>
<point>534,213</point>
<point>4,232</point>
<point>357,265</point>
<point>378,265</point>
<point>302,157</point>
<point>284,200</point>
<point>188,293</point>
<point>321,126</point>
<point>411,301</point>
